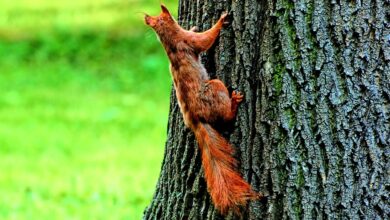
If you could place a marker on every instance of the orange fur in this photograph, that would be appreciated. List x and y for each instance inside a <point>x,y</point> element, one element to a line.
<point>204,102</point>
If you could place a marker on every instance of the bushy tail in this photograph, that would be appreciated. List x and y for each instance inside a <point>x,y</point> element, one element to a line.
<point>227,188</point>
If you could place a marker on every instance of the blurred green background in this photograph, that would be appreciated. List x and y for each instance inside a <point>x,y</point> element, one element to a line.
<point>84,98</point>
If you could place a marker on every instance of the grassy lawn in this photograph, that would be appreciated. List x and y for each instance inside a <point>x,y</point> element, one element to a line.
<point>84,97</point>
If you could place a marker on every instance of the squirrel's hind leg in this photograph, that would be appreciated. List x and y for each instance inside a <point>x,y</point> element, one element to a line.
<point>221,105</point>
<point>237,97</point>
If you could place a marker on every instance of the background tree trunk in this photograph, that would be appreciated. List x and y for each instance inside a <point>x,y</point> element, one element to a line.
<point>313,131</point>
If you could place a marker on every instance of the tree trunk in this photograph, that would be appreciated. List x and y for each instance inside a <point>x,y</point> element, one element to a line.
<point>312,133</point>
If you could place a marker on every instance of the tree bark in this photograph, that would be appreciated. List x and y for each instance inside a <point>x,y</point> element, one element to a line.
<point>313,132</point>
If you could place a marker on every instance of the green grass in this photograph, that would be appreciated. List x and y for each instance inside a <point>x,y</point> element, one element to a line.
<point>84,97</point>
<point>24,18</point>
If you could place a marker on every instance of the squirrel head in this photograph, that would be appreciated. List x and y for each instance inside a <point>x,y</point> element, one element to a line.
<point>162,22</point>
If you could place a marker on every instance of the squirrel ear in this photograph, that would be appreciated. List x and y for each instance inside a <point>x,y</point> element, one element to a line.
<point>164,9</point>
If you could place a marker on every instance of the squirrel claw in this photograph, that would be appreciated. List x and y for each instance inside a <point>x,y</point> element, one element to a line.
<point>194,29</point>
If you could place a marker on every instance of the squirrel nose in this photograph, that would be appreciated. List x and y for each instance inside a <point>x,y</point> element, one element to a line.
<point>147,19</point>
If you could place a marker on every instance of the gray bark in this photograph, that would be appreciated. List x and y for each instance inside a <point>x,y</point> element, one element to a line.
<point>313,133</point>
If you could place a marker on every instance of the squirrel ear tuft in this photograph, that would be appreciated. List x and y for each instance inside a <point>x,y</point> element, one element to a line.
<point>164,9</point>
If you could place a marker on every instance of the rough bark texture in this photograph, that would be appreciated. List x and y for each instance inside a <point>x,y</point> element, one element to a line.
<point>313,133</point>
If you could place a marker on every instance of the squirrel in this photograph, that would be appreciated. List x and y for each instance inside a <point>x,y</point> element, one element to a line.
<point>203,102</point>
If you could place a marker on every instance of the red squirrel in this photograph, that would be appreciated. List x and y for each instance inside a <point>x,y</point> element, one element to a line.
<point>203,102</point>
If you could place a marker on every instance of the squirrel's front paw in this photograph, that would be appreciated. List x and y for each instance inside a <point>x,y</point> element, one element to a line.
<point>223,18</point>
